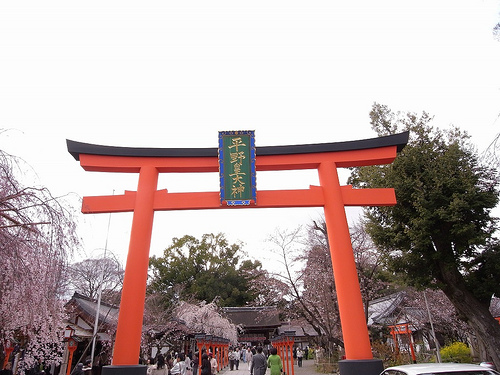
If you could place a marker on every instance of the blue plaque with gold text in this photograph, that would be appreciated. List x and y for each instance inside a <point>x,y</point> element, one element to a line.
<point>237,168</point>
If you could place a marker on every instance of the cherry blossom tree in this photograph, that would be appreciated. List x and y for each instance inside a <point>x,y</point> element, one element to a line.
<point>160,326</point>
<point>206,318</point>
<point>309,277</point>
<point>319,298</point>
<point>307,272</point>
<point>166,326</point>
<point>37,232</point>
<point>268,290</point>
<point>373,280</point>
<point>443,314</point>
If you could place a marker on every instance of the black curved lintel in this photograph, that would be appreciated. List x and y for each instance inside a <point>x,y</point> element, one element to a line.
<point>399,140</point>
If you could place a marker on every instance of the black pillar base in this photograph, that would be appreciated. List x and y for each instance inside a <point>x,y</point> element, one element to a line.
<point>125,370</point>
<point>361,367</point>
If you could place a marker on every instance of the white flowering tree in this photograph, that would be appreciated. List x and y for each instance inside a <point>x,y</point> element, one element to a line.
<point>206,318</point>
<point>36,235</point>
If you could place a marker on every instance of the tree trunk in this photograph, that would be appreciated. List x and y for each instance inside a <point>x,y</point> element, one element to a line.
<point>477,315</point>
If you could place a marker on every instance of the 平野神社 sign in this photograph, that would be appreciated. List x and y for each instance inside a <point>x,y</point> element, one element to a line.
<point>237,168</point>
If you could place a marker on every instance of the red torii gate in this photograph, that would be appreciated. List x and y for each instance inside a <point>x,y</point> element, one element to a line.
<point>325,157</point>
<point>284,345</point>
<point>403,329</point>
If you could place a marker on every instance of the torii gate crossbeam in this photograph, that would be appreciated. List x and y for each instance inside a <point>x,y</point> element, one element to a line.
<point>326,158</point>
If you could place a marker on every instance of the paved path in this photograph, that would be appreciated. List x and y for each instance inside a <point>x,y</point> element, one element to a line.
<point>306,369</point>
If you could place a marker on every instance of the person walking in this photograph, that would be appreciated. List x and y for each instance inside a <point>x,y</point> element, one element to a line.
<point>259,363</point>
<point>231,360</point>
<point>249,357</point>
<point>237,358</point>
<point>300,354</point>
<point>274,362</point>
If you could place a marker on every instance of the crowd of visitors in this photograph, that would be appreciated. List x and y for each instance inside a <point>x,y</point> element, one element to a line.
<point>256,359</point>
<point>259,359</point>
<point>177,364</point>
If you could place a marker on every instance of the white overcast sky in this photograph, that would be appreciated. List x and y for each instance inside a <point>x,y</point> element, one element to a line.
<point>174,73</point>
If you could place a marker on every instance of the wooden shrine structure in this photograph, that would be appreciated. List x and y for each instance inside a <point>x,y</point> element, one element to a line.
<point>148,163</point>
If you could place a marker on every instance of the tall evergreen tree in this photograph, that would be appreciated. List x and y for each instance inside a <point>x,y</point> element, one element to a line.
<point>205,270</point>
<point>438,232</point>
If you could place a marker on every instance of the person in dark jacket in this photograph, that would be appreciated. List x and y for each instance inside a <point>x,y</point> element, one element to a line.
<point>259,363</point>
<point>78,370</point>
<point>195,363</point>
<point>206,369</point>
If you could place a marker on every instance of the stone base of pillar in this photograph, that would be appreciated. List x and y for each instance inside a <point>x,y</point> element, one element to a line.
<point>361,367</point>
<point>125,370</point>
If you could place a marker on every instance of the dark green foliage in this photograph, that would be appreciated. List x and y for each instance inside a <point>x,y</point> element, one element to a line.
<point>444,195</point>
<point>441,232</point>
<point>206,270</point>
<point>483,273</point>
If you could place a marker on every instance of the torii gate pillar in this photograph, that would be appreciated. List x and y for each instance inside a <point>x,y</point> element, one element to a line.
<point>326,158</point>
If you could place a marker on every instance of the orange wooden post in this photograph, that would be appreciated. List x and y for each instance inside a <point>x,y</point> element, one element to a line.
<point>128,333</point>
<point>351,309</point>
<point>8,350</point>
<point>288,340</point>
<point>281,344</point>
<point>219,354</point>
<point>281,350</point>
<point>395,338</point>
<point>410,340</point>
<point>288,355</point>
<point>71,349</point>
<point>224,353</point>
<point>291,343</point>
<point>199,343</point>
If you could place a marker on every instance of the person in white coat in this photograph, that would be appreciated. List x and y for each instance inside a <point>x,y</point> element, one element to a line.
<point>179,367</point>
<point>249,357</point>
<point>213,363</point>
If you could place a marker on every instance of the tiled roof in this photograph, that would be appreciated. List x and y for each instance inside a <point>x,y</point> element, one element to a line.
<point>249,317</point>
<point>383,310</point>
<point>300,327</point>
<point>108,314</point>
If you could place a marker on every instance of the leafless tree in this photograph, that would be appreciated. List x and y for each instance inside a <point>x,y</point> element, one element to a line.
<point>91,274</point>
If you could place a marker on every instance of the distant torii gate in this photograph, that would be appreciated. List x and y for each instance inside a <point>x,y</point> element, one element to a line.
<point>325,157</point>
